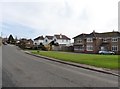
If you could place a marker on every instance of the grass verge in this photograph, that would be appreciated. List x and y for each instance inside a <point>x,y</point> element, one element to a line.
<point>103,61</point>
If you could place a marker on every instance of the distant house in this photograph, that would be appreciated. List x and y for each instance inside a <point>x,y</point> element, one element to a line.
<point>94,42</point>
<point>4,40</point>
<point>29,43</point>
<point>25,43</point>
<point>38,40</point>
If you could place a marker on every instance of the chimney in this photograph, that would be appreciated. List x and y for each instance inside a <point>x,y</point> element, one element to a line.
<point>93,31</point>
<point>60,35</point>
<point>113,30</point>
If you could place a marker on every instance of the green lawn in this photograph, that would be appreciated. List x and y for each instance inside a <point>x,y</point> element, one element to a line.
<point>104,61</point>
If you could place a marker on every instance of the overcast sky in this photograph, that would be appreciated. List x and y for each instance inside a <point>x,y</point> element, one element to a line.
<point>31,18</point>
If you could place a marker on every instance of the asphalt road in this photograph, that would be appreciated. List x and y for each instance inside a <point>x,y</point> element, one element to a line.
<point>23,70</point>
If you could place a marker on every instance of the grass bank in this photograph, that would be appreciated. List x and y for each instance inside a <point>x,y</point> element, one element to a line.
<point>103,61</point>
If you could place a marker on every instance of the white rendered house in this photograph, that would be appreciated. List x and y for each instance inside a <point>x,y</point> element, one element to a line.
<point>38,40</point>
<point>62,40</point>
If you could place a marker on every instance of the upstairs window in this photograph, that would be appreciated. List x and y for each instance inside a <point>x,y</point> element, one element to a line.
<point>114,39</point>
<point>79,41</point>
<point>105,39</point>
<point>89,40</point>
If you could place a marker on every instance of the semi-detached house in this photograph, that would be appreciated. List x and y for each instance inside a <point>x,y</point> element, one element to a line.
<point>62,40</point>
<point>94,42</point>
<point>38,40</point>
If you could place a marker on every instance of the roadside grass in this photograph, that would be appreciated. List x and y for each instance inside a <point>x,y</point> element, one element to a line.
<point>103,61</point>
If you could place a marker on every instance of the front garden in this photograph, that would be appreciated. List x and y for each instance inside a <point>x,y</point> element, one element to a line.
<point>103,61</point>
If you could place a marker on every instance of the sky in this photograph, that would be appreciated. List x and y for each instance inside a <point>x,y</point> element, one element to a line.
<point>32,18</point>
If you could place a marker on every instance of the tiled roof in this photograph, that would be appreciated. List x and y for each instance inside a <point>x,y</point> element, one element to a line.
<point>62,37</point>
<point>94,34</point>
<point>83,35</point>
<point>30,40</point>
<point>109,34</point>
<point>39,38</point>
<point>49,37</point>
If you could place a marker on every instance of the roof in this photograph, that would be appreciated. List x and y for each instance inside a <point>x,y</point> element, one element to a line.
<point>83,35</point>
<point>110,34</point>
<point>30,40</point>
<point>61,37</point>
<point>49,37</point>
<point>95,34</point>
<point>39,38</point>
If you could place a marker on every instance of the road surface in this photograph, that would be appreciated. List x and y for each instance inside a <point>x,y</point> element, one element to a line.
<point>23,70</point>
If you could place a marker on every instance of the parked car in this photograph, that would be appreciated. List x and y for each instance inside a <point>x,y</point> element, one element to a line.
<point>106,52</point>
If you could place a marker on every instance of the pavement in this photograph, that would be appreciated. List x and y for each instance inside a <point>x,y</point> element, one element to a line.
<point>93,68</point>
<point>22,70</point>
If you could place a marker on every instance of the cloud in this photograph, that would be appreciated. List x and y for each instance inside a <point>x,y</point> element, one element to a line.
<point>69,17</point>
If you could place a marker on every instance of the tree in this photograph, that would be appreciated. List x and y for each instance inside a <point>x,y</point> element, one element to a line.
<point>11,40</point>
<point>53,43</point>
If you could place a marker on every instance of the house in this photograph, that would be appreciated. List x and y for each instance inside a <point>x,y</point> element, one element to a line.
<point>47,40</point>
<point>25,43</point>
<point>29,43</point>
<point>62,40</point>
<point>38,40</point>
<point>94,42</point>
<point>59,41</point>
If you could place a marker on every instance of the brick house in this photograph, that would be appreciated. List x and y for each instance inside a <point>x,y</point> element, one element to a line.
<point>25,43</point>
<point>94,42</point>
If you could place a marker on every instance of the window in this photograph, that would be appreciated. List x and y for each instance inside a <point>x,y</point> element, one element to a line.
<point>55,40</point>
<point>114,48</point>
<point>89,48</point>
<point>79,41</point>
<point>46,40</point>
<point>104,39</point>
<point>89,40</point>
<point>114,39</point>
<point>28,43</point>
<point>80,48</point>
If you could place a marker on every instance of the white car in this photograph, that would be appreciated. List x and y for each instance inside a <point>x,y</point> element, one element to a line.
<point>106,52</point>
